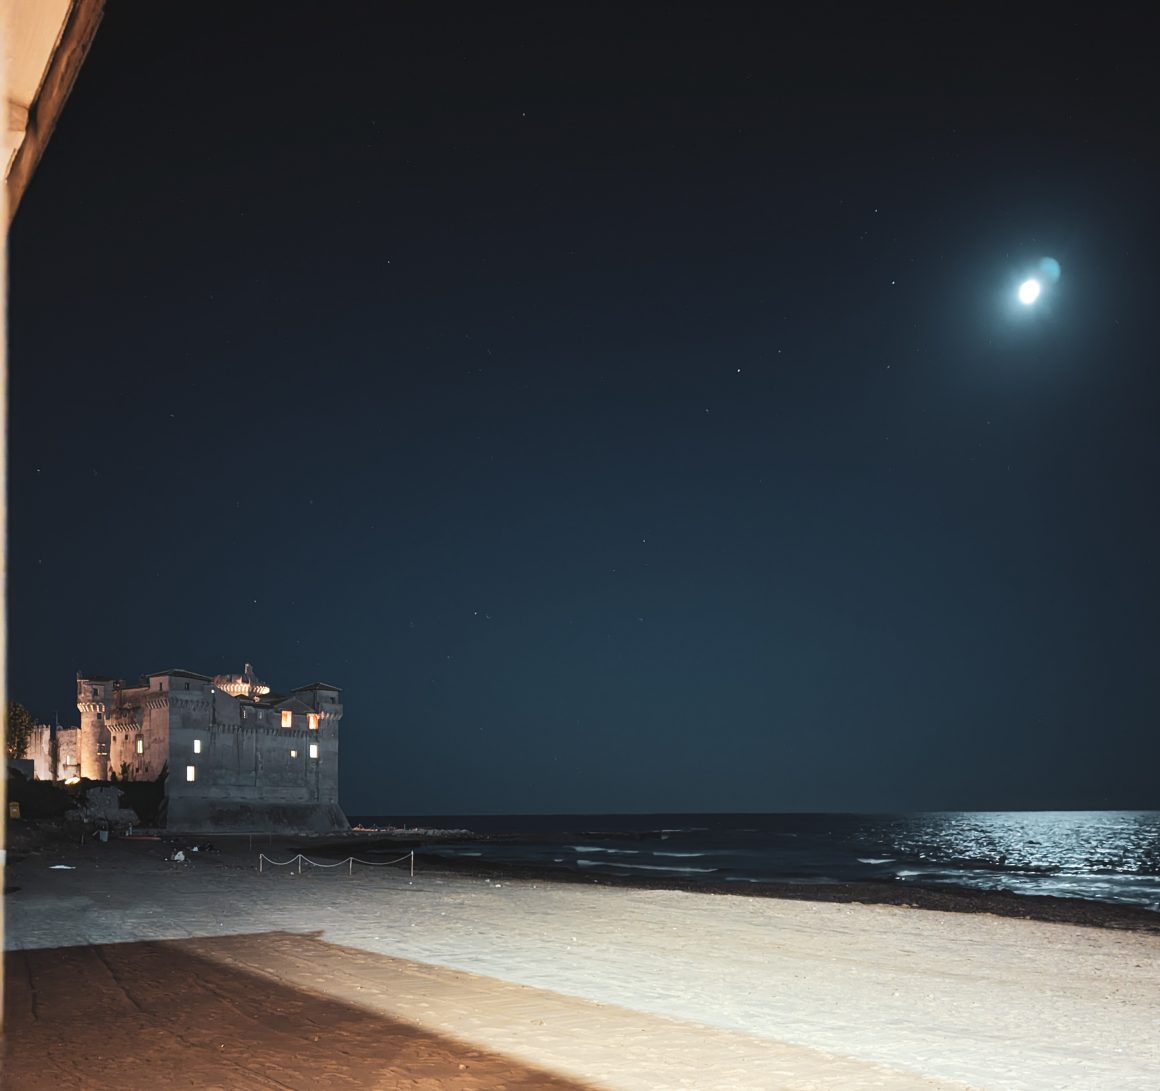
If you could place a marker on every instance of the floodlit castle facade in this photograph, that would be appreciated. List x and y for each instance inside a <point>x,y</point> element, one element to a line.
<point>238,756</point>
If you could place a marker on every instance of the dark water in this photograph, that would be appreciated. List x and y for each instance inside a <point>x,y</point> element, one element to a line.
<point>1108,856</point>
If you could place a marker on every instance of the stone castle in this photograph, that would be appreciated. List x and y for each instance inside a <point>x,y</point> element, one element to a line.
<point>238,756</point>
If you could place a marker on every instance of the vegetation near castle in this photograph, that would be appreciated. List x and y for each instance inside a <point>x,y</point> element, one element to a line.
<point>20,725</point>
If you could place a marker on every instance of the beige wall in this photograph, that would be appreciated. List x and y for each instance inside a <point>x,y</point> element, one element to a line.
<point>40,751</point>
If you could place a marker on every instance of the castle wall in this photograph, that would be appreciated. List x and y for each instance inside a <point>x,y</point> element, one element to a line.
<point>259,763</point>
<point>138,724</point>
<point>227,756</point>
<point>192,815</point>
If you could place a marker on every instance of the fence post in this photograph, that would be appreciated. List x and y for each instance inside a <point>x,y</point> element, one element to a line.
<point>259,863</point>
<point>300,863</point>
<point>412,863</point>
<point>351,861</point>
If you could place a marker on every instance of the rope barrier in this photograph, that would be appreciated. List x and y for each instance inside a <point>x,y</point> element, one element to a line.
<point>350,861</point>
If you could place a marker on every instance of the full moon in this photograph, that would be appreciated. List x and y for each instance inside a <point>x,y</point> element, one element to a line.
<point>1029,291</point>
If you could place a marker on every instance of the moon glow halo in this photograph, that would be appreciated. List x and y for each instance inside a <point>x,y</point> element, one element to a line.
<point>1029,291</point>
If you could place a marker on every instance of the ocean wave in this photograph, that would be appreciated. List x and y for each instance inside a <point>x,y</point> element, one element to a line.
<point>670,868</point>
<point>794,880</point>
<point>603,848</point>
<point>1101,856</point>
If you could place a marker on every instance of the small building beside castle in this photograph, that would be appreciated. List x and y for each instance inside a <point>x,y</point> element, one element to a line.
<point>54,752</point>
<point>238,756</point>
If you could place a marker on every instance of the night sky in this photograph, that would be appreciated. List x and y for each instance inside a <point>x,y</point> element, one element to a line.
<point>629,407</point>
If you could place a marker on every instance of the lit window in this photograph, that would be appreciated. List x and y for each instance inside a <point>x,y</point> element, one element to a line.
<point>294,753</point>
<point>140,744</point>
<point>69,759</point>
<point>197,746</point>
<point>312,721</point>
<point>287,718</point>
<point>314,749</point>
<point>191,772</point>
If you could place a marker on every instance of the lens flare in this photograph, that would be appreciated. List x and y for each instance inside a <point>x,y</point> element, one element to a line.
<point>1029,291</point>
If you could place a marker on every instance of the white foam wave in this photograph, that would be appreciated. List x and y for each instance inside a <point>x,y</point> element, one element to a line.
<point>876,859</point>
<point>604,848</point>
<point>671,868</point>
<point>815,880</point>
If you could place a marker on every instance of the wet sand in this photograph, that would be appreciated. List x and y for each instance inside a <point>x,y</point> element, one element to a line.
<point>131,971</point>
<point>946,898</point>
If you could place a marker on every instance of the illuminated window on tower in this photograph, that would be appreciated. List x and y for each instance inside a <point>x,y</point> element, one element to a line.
<point>197,746</point>
<point>287,718</point>
<point>140,744</point>
<point>314,749</point>
<point>191,772</point>
<point>312,721</point>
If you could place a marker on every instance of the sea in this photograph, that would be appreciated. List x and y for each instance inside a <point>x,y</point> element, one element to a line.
<point>1103,856</point>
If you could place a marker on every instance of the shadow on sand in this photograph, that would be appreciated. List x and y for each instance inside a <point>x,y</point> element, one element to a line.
<point>158,1015</point>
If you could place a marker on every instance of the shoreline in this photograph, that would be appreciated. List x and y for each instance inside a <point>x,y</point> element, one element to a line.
<point>943,897</point>
<point>947,898</point>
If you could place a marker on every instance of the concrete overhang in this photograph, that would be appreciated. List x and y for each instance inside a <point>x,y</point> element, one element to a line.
<point>44,45</point>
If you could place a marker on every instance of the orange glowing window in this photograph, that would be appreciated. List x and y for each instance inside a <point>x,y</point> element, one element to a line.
<point>312,720</point>
<point>140,744</point>
<point>287,718</point>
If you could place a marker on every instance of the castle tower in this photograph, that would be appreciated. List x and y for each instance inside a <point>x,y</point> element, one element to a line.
<point>94,697</point>
<point>242,685</point>
<point>325,701</point>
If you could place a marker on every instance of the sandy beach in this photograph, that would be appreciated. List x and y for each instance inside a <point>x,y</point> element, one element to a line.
<point>127,970</point>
